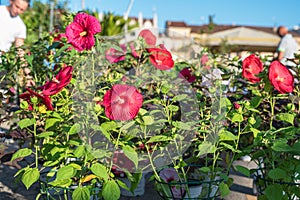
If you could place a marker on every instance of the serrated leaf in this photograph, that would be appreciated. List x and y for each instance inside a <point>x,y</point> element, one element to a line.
<point>30,176</point>
<point>79,151</point>
<point>111,190</point>
<point>277,174</point>
<point>26,122</point>
<point>21,153</point>
<point>286,117</point>
<point>65,172</point>
<point>274,192</point>
<point>74,129</point>
<point>237,117</point>
<point>81,193</point>
<point>224,189</point>
<point>51,122</point>
<point>100,171</point>
<point>205,148</point>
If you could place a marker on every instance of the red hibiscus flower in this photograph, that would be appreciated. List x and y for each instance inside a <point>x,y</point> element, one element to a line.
<point>115,55</point>
<point>148,36</point>
<point>169,175</point>
<point>61,80</point>
<point>186,74</point>
<point>122,102</point>
<point>80,33</point>
<point>46,100</point>
<point>160,58</point>
<point>252,66</point>
<point>280,77</point>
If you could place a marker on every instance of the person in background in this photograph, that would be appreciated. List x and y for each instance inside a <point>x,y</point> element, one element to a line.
<point>13,29</point>
<point>286,48</point>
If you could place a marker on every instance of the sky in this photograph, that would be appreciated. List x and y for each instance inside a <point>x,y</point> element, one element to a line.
<point>196,12</point>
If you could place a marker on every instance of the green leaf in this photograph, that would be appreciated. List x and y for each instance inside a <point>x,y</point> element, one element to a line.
<point>277,173</point>
<point>111,190</point>
<point>51,122</point>
<point>286,117</point>
<point>158,138</point>
<point>255,101</point>
<point>131,154</point>
<point>173,108</point>
<point>79,151</point>
<point>281,146</point>
<point>21,153</point>
<point>74,129</point>
<point>243,170</point>
<point>62,183</point>
<point>180,97</point>
<point>227,136</point>
<point>237,117</point>
<point>224,189</point>
<point>30,176</point>
<point>65,173</point>
<point>274,192</point>
<point>205,148</point>
<point>46,134</point>
<point>26,122</point>
<point>100,171</point>
<point>81,193</point>
<point>148,120</point>
<point>254,131</point>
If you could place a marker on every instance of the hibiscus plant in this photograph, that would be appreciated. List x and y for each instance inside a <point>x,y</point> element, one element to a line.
<point>268,113</point>
<point>97,109</point>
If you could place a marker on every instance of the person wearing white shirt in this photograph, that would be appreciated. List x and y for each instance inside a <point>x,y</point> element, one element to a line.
<point>13,29</point>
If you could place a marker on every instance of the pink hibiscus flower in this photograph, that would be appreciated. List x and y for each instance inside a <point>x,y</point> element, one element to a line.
<point>122,102</point>
<point>148,36</point>
<point>80,33</point>
<point>115,55</point>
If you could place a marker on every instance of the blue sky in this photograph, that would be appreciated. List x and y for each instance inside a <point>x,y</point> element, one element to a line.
<point>196,12</point>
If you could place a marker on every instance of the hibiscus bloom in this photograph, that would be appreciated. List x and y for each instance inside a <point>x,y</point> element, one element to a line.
<point>115,55</point>
<point>252,66</point>
<point>160,58</point>
<point>186,74</point>
<point>169,175</point>
<point>204,59</point>
<point>46,100</point>
<point>280,77</point>
<point>80,33</point>
<point>61,80</point>
<point>122,102</point>
<point>148,36</point>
